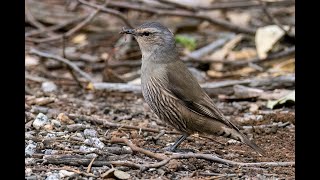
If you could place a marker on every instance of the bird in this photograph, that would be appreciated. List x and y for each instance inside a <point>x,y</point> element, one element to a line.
<point>173,93</point>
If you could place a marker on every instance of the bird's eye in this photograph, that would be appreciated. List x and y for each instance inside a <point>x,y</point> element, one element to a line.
<point>145,33</point>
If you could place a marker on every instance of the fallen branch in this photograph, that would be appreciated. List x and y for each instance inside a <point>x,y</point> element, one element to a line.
<point>181,13</point>
<point>276,82</point>
<point>54,27</point>
<point>138,149</point>
<point>63,60</point>
<point>109,11</point>
<point>240,63</point>
<point>71,31</point>
<point>77,160</point>
<point>197,54</point>
<point>33,20</point>
<point>106,123</point>
<point>245,4</point>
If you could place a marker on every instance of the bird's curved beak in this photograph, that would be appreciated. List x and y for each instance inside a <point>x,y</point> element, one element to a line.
<point>128,31</point>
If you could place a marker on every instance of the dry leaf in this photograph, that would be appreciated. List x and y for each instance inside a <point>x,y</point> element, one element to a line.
<point>79,39</point>
<point>222,53</point>
<point>239,18</point>
<point>214,74</point>
<point>288,98</point>
<point>115,173</point>
<point>266,37</point>
<point>31,61</point>
<point>121,174</point>
<point>64,119</point>
<point>245,53</point>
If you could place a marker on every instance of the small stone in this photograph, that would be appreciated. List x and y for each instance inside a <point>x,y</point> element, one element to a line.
<point>64,119</point>
<point>64,173</point>
<point>48,127</point>
<point>29,161</point>
<point>56,123</point>
<point>50,135</point>
<point>48,86</point>
<point>40,121</point>
<point>53,176</point>
<point>91,155</point>
<point>86,149</point>
<point>95,142</point>
<point>90,133</point>
<point>50,152</point>
<point>30,149</point>
<point>28,171</point>
<point>232,141</point>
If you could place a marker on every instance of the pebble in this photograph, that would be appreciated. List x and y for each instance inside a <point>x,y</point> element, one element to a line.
<point>56,123</point>
<point>40,121</point>
<point>86,149</point>
<point>64,173</point>
<point>50,152</point>
<point>49,86</point>
<point>64,119</point>
<point>95,142</point>
<point>29,161</point>
<point>90,133</point>
<point>50,135</point>
<point>53,176</point>
<point>232,141</point>
<point>28,171</point>
<point>30,149</point>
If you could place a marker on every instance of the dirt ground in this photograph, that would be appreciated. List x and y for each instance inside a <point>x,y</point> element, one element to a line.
<point>130,109</point>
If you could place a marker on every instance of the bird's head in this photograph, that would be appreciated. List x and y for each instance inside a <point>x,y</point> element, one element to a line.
<point>152,37</point>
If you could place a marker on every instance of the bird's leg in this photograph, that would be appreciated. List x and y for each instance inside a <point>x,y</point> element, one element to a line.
<point>178,142</point>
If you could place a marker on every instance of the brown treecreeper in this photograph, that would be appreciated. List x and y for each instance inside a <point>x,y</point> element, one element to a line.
<point>173,93</point>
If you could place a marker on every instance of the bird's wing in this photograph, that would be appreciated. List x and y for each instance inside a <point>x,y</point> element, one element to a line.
<point>189,93</point>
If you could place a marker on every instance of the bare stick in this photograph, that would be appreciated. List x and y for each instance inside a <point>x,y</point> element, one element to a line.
<point>71,31</point>
<point>197,54</point>
<point>273,19</point>
<point>181,13</point>
<point>68,67</point>
<point>63,60</point>
<point>109,11</point>
<point>115,125</point>
<point>245,4</point>
<point>138,149</point>
<point>54,27</point>
<point>89,166</point>
<point>240,63</point>
<point>284,81</point>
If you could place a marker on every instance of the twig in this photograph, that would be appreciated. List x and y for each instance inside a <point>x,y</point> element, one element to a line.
<point>273,19</point>
<point>54,27</point>
<point>178,5</point>
<point>197,54</point>
<point>245,4</point>
<point>109,11</point>
<point>89,166</point>
<point>279,124</point>
<point>115,125</point>
<point>63,60</point>
<point>32,20</point>
<point>138,149</point>
<point>180,13</point>
<point>240,63</point>
<point>71,31</point>
<point>285,81</point>
<point>68,67</point>
<point>218,160</point>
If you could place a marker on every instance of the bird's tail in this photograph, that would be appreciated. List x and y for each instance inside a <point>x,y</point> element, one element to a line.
<point>253,145</point>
